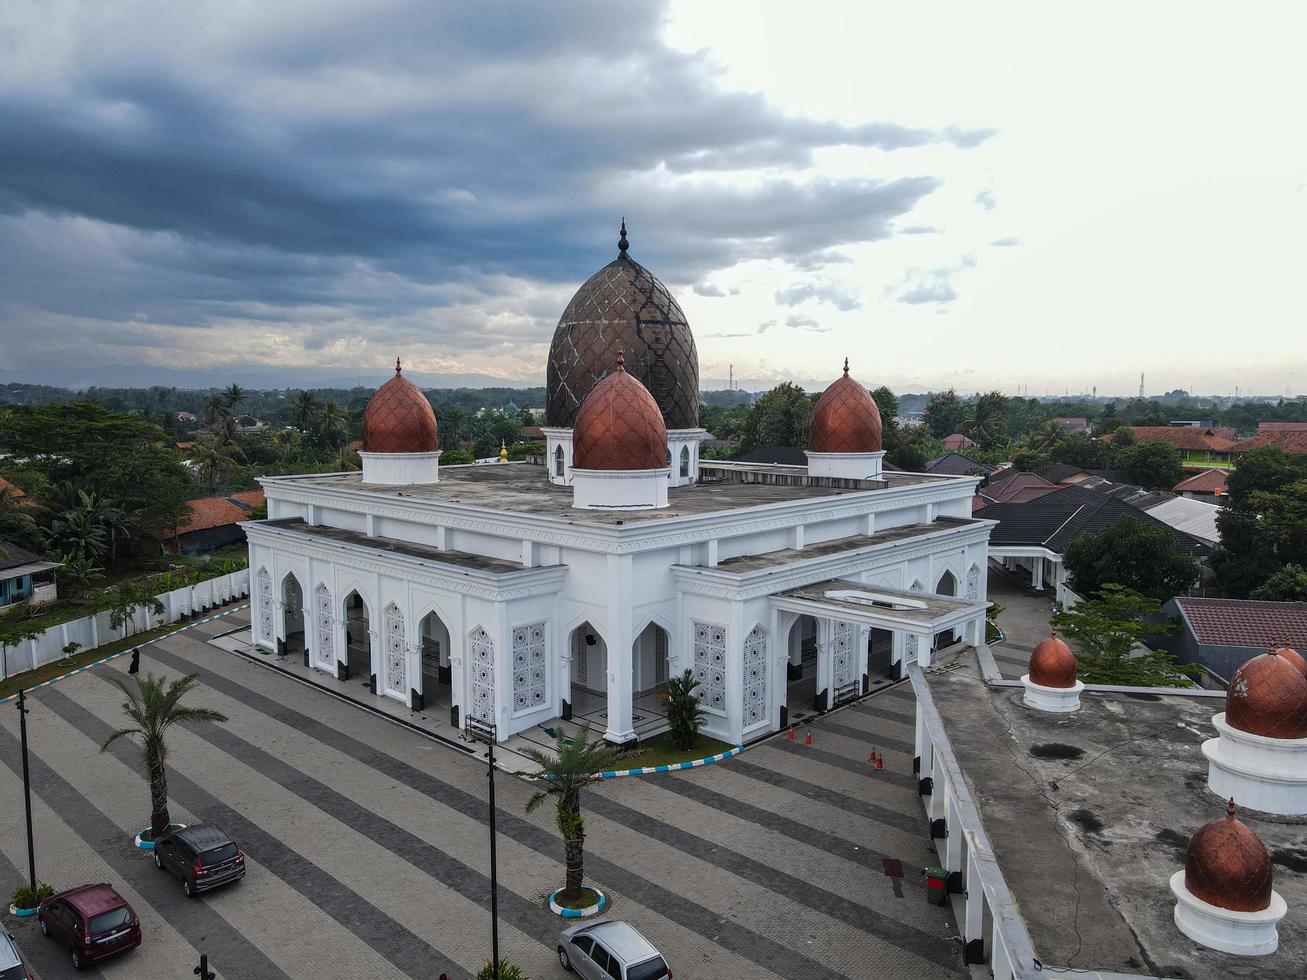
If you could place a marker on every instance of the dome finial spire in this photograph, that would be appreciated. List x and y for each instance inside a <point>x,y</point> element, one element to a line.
<point>622,243</point>
<point>846,367</point>
<point>397,366</point>
<point>621,360</point>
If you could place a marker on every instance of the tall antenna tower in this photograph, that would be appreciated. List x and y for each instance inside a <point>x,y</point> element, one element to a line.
<point>1141,384</point>
<point>731,382</point>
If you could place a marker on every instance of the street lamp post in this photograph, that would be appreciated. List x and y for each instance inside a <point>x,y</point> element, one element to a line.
<point>202,971</point>
<point>486,732</point>
<point>27,789</point>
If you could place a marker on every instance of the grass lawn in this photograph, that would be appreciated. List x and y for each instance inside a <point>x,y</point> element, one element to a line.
<point>659,751</point>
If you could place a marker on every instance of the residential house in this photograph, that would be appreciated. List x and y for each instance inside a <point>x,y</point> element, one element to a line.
<point>1220,634</point>
<point>1200,448</point>
<point>214,522</point>
<point>1281,427</point>
<point>1291,441</point>
<point>959,464</point>
<point>1073,423</point>
<point>958,441</point>
<point>1211,485</point>
<point>24,575</point>
<point>1065,474</point>
<point>1012,486</point>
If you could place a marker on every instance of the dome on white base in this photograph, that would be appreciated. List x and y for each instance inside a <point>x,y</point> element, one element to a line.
<point>1240,933</point>
<point>1059,700</point>
<point>1260,773</point>
<point>845,466</point>
<point>619,489</point>
<point>401,469</point>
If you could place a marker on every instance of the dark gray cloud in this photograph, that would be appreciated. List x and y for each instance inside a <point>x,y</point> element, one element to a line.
<point>389,172</point>
<point>823,292</point>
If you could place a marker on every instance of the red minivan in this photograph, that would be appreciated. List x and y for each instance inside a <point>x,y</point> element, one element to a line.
<point>93,922</point>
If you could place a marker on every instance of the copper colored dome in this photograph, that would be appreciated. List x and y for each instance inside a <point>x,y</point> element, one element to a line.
<point>619,426</point>
<point>1293,656</point>
<point>845,419</point>
<point>399,419</point>
<point>1226,865</point>
<point>1268,697</point>
<point>1052,664</point>
<point>623,307</point>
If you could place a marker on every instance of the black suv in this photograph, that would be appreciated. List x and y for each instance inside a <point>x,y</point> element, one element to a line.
<point>203,857</point>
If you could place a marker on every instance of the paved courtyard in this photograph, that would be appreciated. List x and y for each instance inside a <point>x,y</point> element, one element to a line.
<point>368,850</point>
<point>1024,622</point>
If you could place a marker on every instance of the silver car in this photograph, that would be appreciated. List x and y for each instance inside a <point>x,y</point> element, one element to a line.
<point>11,961</point>
<point>609,950</point>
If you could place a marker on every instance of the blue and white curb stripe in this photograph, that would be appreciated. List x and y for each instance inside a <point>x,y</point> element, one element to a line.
<point>567,913</point>
<point>128,651</point>
<point>672,767</point>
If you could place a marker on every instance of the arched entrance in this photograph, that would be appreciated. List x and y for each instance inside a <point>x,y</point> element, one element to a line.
<point>433,654</point>
<point>947,585</point>
<point>649,681</point>
<point>292,613</point>
<point>801,669</point>
<point>358,639</point>
<point>588,694</point>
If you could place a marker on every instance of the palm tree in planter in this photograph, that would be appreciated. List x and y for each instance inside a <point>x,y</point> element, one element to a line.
<point>153,708</point>
<point>575,764</point>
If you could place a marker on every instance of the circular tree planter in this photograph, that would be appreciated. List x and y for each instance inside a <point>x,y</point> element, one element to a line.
<point>594,908</point>
<point>145,841</point>
<point>21,913</point>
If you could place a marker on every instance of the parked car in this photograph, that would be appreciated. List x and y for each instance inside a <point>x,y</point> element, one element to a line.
<point>12,964</point>
<point>93,922</point>
<point>203,857</point>
<point>607,949</point>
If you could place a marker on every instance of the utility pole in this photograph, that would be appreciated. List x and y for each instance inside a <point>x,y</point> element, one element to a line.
<point>27,789</point>
<point>202,971</point>
<point>486,732</point>
<point>1141,384</point>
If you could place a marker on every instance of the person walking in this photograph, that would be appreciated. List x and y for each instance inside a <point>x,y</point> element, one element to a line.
<point>135,666</point>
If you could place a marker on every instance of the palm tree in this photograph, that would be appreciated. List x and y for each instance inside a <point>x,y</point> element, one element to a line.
<point>983,421</point>
<point>304,410</point>
<point>214,409</point>
<point>211,460</point>
<point>75,532</point>
<point>125,599</point>
<point>346,458</point>
<point>153,708</point>
<point>1044,438</point>
<point>575,763</point>
<point>78,573</point>
<point>233,396</point>
<point>333,424</point>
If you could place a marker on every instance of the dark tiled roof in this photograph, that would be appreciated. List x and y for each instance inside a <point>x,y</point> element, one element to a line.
<point>957,464</point>
<point>1055,518</point>
<point>12,556</point>
<point>1018,488</point>
<point>1060,471</point>
<point>1245,622</point>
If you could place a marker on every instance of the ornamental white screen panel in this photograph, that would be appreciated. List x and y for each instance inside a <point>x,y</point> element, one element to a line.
<point>755,677</point>
<point>710,665</point>
<point>660,657</point>
<point>267,632</point>
<point>529,673</point>
<point>973,582</point>
<point>326,629</point>
<point>842,644</point>
<point>396,667</point>
<point>481,648</point>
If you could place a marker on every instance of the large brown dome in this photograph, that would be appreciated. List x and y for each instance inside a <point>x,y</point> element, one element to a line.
<point>623,307</point>
<point>399,419</point>
<point>619,427</point>
<point>1293,656</point>
<point>845,419</point>
<point>1052,664</point>
<point>1268,697</point>
<point>1226,865</point>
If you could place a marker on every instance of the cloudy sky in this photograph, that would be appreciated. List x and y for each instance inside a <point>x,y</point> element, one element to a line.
<point>978,195</point>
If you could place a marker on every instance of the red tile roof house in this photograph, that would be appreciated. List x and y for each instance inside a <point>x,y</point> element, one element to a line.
<point>1207,485</point>
<point>1281,427</point>
<point>958,441</point>
<point>1292,441</point>
<point>213,522</point>
<point>1220,634</point>
<point>1200,448</point>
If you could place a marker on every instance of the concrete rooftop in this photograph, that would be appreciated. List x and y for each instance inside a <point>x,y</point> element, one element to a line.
<point>1090,814</point>
<point>742,564</point>
<point>523,488</point>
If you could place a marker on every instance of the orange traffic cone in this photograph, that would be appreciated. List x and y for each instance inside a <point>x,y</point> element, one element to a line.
<point>791,735</point>
<point>880,762</point>
<point>808,739</point>
<point>871,756</point>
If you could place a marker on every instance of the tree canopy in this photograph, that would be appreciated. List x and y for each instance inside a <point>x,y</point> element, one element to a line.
<point>1264,525</point>
<point>779,418</point>
<point>1108,631</point>
<point>1133,553</point>
<point>1152,464</point>
<point>944,413</point>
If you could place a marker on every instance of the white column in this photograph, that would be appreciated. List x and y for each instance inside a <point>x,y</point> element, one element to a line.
<point>1036,573</point>
<point>621,720</point>
<point>974,918</point>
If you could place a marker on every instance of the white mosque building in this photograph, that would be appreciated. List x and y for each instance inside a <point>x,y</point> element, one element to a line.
<point>519,593</point>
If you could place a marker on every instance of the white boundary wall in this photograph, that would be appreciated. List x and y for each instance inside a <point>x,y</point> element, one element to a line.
<point>93,631</point>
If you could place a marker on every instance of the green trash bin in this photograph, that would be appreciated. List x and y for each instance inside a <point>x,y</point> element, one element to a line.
<point>936,885</point>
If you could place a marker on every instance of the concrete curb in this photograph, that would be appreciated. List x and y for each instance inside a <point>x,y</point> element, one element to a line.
<point>672,767</point>
<point>128,651</point>
<point>578,913</point>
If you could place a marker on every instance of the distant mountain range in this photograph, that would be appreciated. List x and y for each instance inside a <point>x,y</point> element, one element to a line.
<point>119,376</point>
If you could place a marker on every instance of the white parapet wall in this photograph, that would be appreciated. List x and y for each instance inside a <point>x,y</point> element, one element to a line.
<point>95,630</point>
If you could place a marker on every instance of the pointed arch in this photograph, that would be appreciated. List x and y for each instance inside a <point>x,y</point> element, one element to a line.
<point>685,461</point>
<point>947,584</point>
<point>559,462</point>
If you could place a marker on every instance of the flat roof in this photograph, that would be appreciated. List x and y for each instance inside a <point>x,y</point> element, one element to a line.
<point>1090,813</point>
<point>787,556</point>
<point>462,559</point>
<point>525,488</point>
<point>859,600</point>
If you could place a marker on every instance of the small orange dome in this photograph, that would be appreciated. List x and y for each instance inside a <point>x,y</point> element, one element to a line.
<point>1268,697</point>
<point>399,419</point>
<point>1226,865</point>
<point>1293,656</point>
<point>1052,664</point>
<point>845,419</point>
<point>619,426</point>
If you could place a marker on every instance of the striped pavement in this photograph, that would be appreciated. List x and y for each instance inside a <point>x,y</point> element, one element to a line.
<point>368,847</point>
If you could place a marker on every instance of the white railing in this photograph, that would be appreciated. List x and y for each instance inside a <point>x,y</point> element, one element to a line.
<point>964,849</point>
<point>93,631</point>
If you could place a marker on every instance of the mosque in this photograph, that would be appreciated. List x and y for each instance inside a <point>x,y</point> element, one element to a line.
<point>518,593</point>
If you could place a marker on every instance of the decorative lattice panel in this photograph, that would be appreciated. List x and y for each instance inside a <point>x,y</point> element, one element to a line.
<point>326,624</point>
<point>973,582</point>
<point>481,652</point>
<point>660,657</point>
<point>710,666</point>
<point>267,631</point>
<point>396,652</point>
<point>755,676</point>
<point>529,672</point>
<point>580,658</point>
<point>910,647</point>
<point>842,653</point>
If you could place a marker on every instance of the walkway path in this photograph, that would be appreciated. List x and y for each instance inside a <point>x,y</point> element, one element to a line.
<point>1024,622</point>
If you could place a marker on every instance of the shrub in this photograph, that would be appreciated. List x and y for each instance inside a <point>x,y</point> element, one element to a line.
<point>507,971</point>
<point>24,898</point>
<point>683,712</point>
